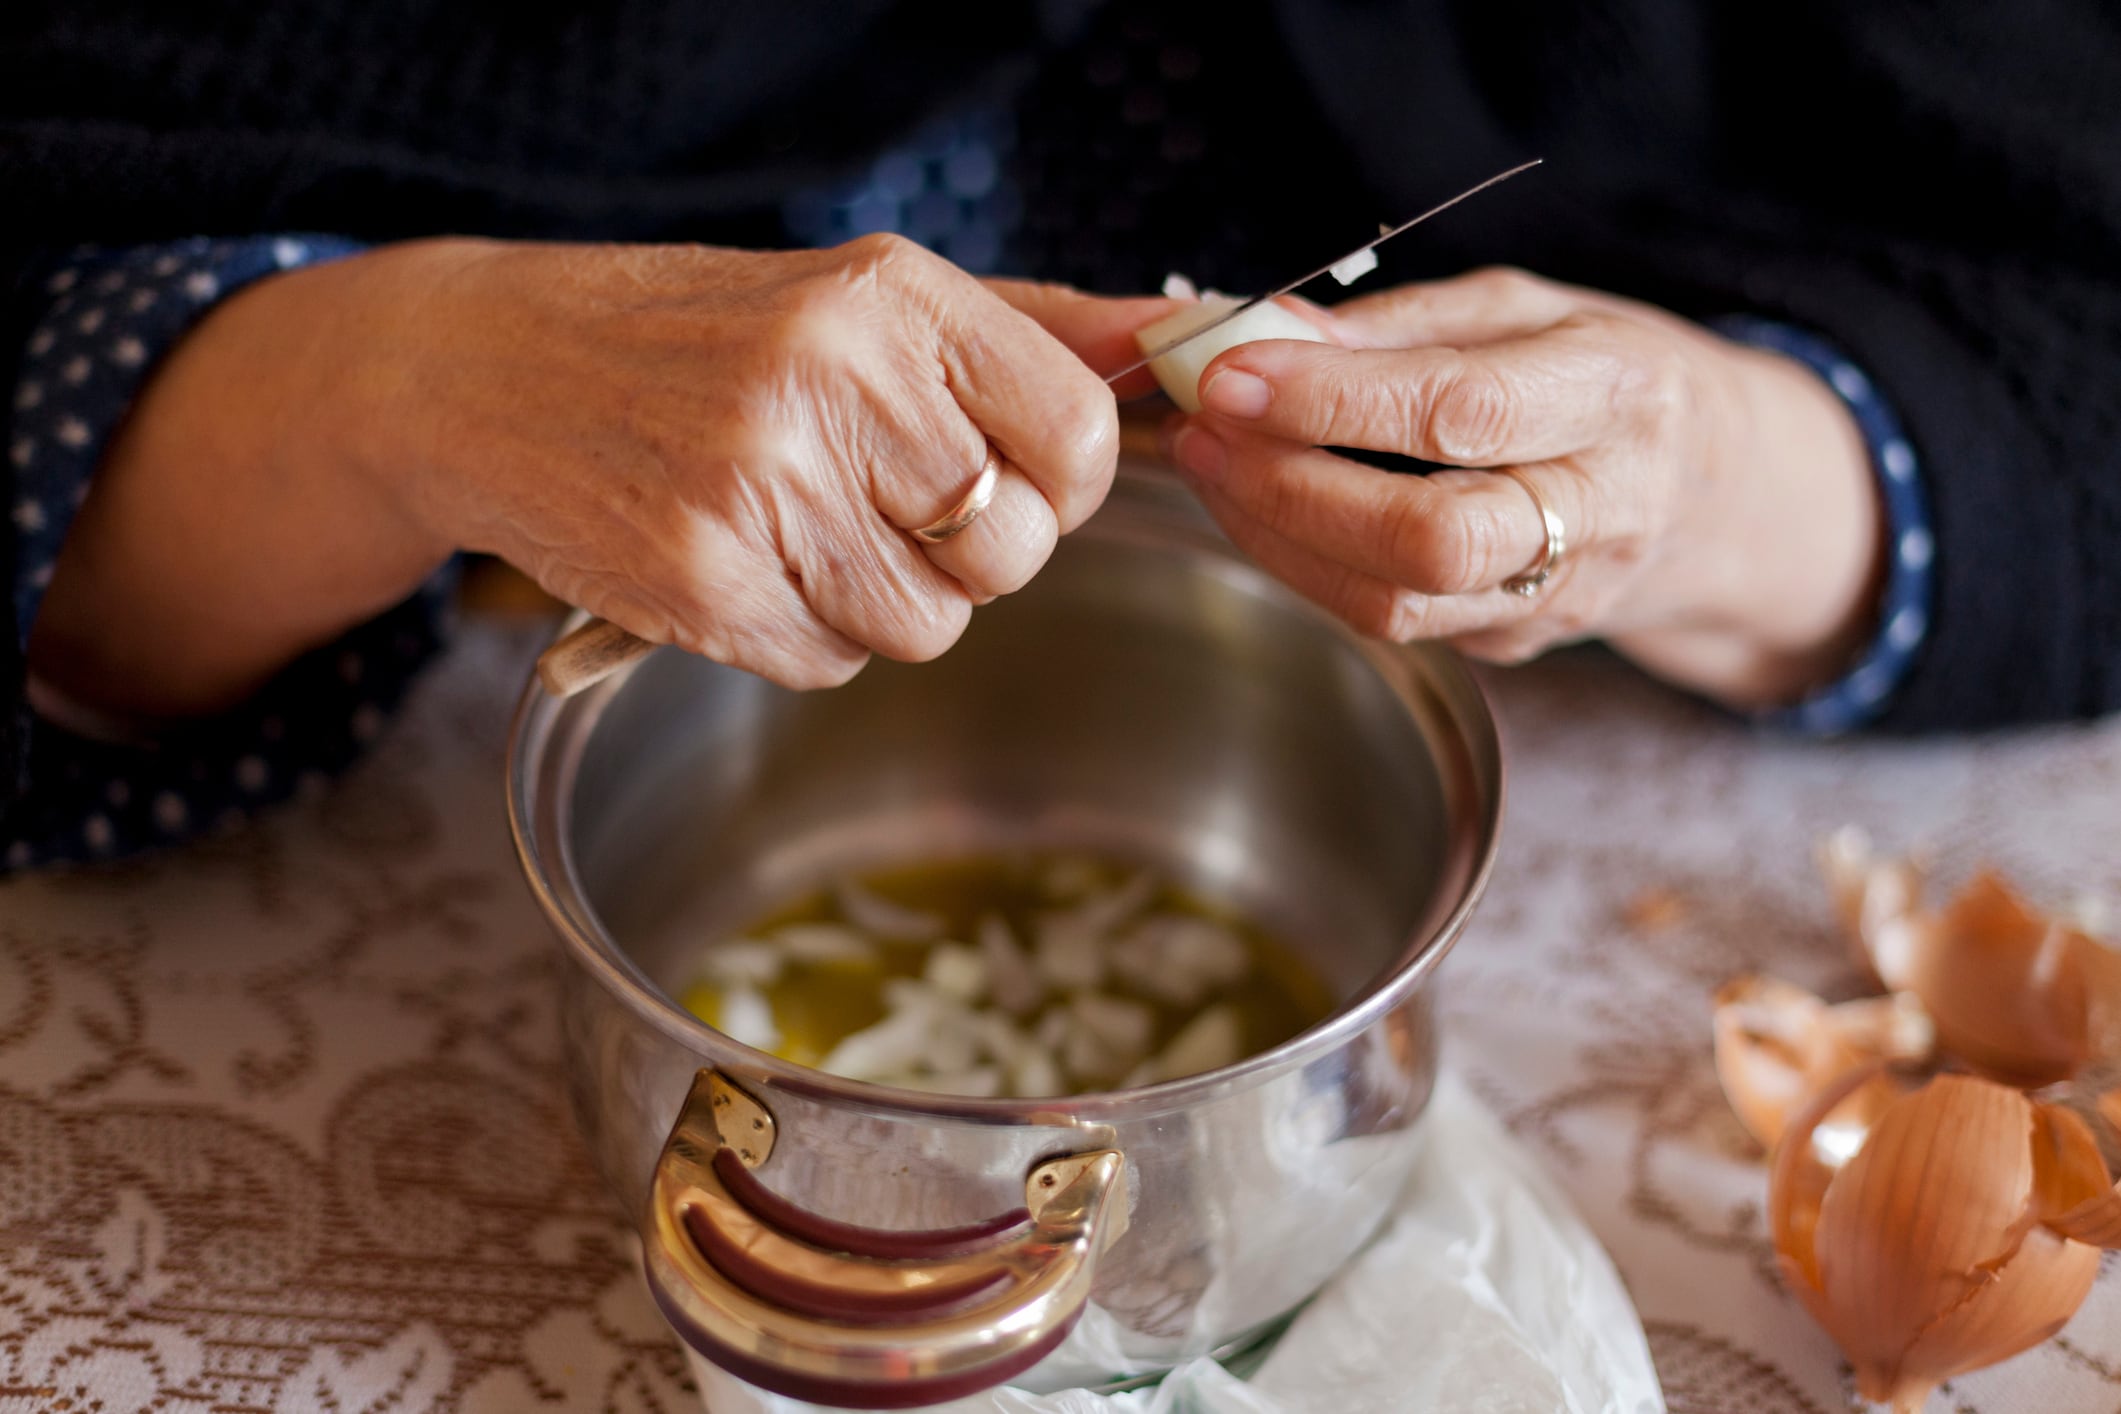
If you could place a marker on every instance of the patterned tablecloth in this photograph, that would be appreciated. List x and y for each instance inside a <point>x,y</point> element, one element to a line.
<point>281,1124</point>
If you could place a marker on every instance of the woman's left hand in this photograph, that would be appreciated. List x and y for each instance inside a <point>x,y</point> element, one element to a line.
<point>1721,522</point>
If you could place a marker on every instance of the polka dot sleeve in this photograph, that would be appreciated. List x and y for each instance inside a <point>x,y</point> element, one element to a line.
<point>1861,695</point>
<point>80,789</point>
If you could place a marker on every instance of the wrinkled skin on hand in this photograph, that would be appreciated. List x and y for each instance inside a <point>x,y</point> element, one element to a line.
<point>724,450</point>
<point>1721,519</point>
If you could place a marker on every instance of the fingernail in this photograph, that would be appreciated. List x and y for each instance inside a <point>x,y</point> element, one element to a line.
<point>1201,453</point>
<point>1236,393</point>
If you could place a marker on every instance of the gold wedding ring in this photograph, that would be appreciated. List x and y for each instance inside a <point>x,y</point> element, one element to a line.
<point>1528,583</point>
<point>968,510</point>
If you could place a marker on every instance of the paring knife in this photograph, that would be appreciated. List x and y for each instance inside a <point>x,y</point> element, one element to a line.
<point>598,649</point>
<point>1326,269</point>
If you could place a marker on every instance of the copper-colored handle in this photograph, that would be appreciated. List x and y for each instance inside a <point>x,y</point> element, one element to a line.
<point>587,656</point>
<point>859,1317</point>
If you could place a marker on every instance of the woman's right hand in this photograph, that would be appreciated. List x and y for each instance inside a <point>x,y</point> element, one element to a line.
<point>714,448</point>
<point>725,449</point>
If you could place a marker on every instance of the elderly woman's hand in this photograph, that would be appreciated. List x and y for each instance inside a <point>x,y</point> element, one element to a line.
<point>715,448</point>
<point>1721,521</point>
<point>725,449</point>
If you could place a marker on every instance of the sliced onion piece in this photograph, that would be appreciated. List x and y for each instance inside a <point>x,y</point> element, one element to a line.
<point>1355,266</point>
<point>744,1015</point>
<point>1010,976</point>
<point>1179,958</point>
<point>956,971</point>
<point>1178,372</point>
<point>882,917</point>
<point>826,945</point>
<point>743,962</point>
<point>1210,1041</point>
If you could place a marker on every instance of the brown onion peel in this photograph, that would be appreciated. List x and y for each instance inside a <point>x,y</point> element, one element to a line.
<point>1777,1045</point>
<point>1877,900</point>
<point>1925,1254</point>
<point>1935,1225</point>
<point>2074,1192</point>
<point>2020,995</point>
<point>2012,991</point>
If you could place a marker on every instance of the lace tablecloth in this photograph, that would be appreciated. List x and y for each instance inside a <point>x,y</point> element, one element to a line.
<point>281,1120</point>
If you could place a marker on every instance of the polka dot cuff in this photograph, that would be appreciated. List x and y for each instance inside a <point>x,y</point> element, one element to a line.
<point>81,792</point>
<point>1860,696</point>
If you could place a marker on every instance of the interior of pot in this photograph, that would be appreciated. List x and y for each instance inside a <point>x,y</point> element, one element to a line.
<point>1148,696</point>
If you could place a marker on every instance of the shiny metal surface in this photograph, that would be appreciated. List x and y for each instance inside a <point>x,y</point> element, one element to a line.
<point>858,1317</point>
<point>1151,695</point>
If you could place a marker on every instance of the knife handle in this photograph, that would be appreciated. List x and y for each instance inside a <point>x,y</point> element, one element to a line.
<point>587,656</point>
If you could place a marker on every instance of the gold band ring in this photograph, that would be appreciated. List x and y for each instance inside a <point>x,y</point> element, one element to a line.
<point>1528,583</point>
<point>968,510</point>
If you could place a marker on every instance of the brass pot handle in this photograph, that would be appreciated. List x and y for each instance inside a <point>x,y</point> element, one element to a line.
<point>856,1317</point>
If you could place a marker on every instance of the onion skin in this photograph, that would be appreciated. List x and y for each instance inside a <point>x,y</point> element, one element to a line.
<point>1933,1228</point>
<point>2018,994</point>
<point>2015,993</point>
<point>1933,1251</point>
<point>1778,1045</point>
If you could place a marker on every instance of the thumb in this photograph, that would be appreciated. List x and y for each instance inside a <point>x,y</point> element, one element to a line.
<point>1096,329</point>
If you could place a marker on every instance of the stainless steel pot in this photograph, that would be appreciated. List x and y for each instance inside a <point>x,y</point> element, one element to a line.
<point>1152,695</point>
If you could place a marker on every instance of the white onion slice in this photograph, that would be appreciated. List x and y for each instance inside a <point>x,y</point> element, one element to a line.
<point>745,1016</point>
<point>1070,955</point>
<point>742,962</point>
<point>1035,1072</point>
<point>956,971</point>
<point>874,914</point>
<point>1178,372</point>
<point>1180,959</point>
<point>1355,266</point>
<point>1209,1041</point>
<point>825,943</point>
<point>1106,1036</point>
<point>1010,977</point>
<point>891,1047</point>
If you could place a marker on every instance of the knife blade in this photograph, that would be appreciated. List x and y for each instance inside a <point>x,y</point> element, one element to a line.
<point>1382,236</point>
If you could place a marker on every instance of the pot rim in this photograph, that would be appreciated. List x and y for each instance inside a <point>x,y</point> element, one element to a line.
<point>594,950</point>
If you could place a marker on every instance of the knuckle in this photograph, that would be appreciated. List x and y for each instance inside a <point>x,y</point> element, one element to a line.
<point>927,629</point>
<point>1507,281</point>
<point>1655,386</point>
<point>1093,449</point>
<point>1472,414</point>
<point>1365,605</point>
<point>880,251</point>
<point>826,308</point>
<point>1271,497</point>
<point>1440,552</point>
<point>1407,617</point>
<point>1568,625</point>
<point>1353,411</point>
<point>817,318</point>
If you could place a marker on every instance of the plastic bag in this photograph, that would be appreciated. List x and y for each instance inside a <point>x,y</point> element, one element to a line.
<point>1484,1293</point>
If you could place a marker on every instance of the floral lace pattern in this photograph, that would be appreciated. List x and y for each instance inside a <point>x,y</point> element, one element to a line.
<point>250,1091</point>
